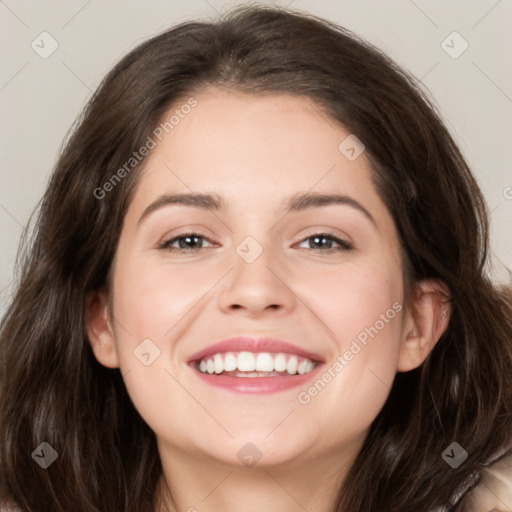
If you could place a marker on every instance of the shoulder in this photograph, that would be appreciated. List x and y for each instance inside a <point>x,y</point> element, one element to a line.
<point>7,508</point>
<point>493,490</point>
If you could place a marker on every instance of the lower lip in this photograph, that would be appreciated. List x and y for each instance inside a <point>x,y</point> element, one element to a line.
<point>259,385</point>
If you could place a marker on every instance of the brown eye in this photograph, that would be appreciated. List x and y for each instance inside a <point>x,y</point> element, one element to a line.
<point>326,242</point>
<point>185,242</point>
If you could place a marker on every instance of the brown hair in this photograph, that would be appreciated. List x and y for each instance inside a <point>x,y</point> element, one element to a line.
<point>53,389</point>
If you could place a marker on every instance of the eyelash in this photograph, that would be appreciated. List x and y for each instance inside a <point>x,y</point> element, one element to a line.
<point>343,244</point>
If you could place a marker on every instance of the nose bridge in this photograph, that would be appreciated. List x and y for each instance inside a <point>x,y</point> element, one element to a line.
<point>255,284</point>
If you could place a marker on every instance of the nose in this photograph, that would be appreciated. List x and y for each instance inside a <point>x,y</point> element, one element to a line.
<point>257,288</point>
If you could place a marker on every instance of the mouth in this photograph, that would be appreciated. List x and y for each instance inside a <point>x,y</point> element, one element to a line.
<point>252,365</point>
<point>257,366</point>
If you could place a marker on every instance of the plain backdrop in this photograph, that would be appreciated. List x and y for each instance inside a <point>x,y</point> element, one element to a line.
<point>41,95</point>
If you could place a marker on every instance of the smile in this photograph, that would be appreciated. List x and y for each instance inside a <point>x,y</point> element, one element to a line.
<point>247,364</point>
<point>251,365</point>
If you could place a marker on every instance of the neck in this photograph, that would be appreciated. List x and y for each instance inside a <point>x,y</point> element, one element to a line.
<point>202,484</point>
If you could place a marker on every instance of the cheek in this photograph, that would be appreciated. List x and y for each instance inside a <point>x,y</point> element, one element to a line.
<point>361,306</point>
<point>351,298</point>
<point>152,297</point>
<point>154,303</point>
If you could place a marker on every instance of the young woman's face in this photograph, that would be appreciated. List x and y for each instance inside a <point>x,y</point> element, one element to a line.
<point>289,241</point>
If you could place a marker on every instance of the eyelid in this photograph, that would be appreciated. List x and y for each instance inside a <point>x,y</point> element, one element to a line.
<point>185,230</point>
<point>324,230</point>
<point>342,243</point>
<point>165,241</point>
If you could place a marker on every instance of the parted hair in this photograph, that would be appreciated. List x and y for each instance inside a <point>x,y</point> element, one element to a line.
<point>53,390</point>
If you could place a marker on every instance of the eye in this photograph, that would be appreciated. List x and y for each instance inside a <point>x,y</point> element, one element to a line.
<point>185,242</point>
<point>191,242</point>
<point>325,241</point>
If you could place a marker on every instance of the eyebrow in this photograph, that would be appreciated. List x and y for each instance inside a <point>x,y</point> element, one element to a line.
<point>296,203</point>
<point>203,201</point>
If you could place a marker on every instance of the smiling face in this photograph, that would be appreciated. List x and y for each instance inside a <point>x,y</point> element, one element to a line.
<point>283,237</point>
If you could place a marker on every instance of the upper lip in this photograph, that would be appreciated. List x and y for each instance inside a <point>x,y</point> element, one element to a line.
<point>253,344</point>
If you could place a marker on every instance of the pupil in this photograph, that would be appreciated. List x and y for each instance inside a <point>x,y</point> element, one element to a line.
<point>187,240</point>
<point>317,241</point>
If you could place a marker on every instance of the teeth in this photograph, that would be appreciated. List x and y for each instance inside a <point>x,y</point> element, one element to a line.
<point>264,362</point>
<point>302,367</point>
<point>218,363</point>
<point>280,363</point>
<point>310,366</point>
<point>246,362</point>
<point>291,367</point>
<point>230,362</point>
<point>261,364</point>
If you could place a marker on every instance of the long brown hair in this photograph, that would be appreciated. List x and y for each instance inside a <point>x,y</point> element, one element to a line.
<point>52,388</point>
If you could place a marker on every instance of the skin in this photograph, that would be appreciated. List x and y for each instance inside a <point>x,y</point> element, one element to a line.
<point>256,152</point>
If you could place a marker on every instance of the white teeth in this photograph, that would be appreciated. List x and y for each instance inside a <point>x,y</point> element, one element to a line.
<point>261,364</point>
<point>302,367</point>
<point>246,362</point>
<point>264,362</point>
<point>291,367</point>
<point>280,363</point>
<point>230,362</point>
<point>218,363</point>
<point>305,367</point>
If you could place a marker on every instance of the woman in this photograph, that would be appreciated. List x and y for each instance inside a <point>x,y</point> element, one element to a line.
<point>258,265</point>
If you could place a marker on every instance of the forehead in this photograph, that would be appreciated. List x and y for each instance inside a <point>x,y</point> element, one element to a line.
<point>263,146</point>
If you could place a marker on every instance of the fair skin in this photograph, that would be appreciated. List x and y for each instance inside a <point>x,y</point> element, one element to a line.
<point>255,152</point>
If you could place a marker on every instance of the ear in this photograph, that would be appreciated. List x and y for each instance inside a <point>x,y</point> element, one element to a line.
<point>426,319</point>
<point>99,329</point>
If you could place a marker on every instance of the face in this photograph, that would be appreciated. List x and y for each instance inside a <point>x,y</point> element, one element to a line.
<point>289,241</point>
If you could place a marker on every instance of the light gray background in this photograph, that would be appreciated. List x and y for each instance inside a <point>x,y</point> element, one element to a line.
<point>40,98</point>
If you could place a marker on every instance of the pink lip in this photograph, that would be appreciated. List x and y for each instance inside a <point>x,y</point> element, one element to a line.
<point>259,385</point>
<point>247,344</point>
